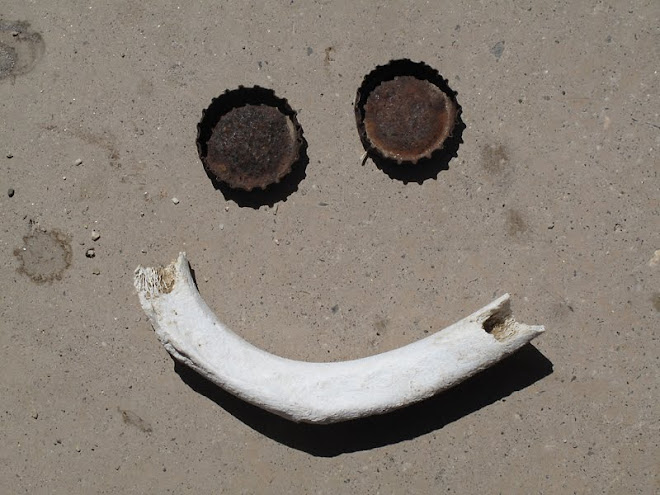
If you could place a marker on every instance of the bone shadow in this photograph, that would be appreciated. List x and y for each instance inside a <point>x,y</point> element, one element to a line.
<point>516,372</point>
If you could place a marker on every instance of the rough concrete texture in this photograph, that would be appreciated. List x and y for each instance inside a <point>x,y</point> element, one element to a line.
<point>553,197</point>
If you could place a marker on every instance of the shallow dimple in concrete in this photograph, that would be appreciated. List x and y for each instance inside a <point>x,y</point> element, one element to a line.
<point>45,255</point>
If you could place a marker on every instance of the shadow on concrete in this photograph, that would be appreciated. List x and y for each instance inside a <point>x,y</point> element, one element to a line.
<point>516,372</point>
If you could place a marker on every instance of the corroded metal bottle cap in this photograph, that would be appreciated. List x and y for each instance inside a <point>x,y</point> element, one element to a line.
<point>404,111</point>
<point>248,138</point>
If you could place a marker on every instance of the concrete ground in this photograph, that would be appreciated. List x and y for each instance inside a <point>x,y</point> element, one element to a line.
<point>553,196</point>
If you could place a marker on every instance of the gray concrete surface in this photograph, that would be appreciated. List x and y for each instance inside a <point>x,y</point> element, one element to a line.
<point>553,197</point>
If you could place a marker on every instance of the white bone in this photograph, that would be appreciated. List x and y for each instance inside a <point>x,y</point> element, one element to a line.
<point>322,392</point>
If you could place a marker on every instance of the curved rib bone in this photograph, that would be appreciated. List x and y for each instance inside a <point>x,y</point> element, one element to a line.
<point>322,392</point>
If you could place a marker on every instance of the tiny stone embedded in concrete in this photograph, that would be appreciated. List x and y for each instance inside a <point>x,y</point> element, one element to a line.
<point>655,259</point>
<point>497,49</point>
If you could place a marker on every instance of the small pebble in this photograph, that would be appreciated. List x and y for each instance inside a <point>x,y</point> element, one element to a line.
<point>10,192</point>
<point>175,201</point>
<point>77,449</point>
<point>95,235</point>
<point>35,415</point>
<point>222,226</point>
<point>276,241</point>
<point>90,253</point>
<point>15,33</point>
<point>96,271</point>
<point>78,162</point>
<point>655,260</point>
<point>226,208</point>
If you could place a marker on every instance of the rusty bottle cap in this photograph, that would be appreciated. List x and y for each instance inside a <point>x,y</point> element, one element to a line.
<point>248,138</point>
<point>405,111</point>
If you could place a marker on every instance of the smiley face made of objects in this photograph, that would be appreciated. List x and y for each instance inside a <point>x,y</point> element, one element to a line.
<point>250,140</point>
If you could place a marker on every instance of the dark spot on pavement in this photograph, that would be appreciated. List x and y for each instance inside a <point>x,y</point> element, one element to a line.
<point>495,158</point>
<point>329,55</point>
<point>20,48</point>
<point>562,309</point>
<point>515,223</point>
<point>381,325</point>
<point>497,49</point>
<point>130,418</point>
<point>45,255</point>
